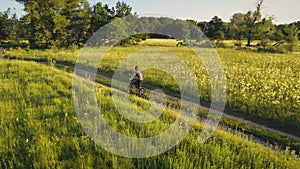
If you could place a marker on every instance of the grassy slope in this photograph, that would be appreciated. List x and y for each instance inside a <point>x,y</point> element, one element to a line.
<point>39,129</point>
<point>262,87</point>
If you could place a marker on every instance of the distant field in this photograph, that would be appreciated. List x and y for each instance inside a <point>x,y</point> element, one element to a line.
<point>39,129</point>
<point>158,42</point>
<point>263,87</point>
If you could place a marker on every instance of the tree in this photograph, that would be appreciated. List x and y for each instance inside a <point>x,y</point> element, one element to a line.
<point>39,18</point>
<point>8,25</point>
<point>2,21</point>
<point>214,29</point>
<point>237,26</point>
<point>122,9</point>
<point>112,34</point>
<point>291,33</point>
<point>60,23</point>
<point>251,25</point>
<point>22,29</point>
<point>297,24</point>
<point>143,25</point>
<point>45,23</point>
<point>252,22</point>
<point>148,25</point>
<point>57,22</point>
<point>77,12</point>
<point>193,22</point>
<point>203,26</point>
<point>178,29</point>
<point>195,32</point>
<point>256,26</point>
<point>99,17</point>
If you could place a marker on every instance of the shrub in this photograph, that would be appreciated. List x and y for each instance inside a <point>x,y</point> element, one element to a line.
<point>266,46</point>
<point>238,43</point>
<point>220,44</point>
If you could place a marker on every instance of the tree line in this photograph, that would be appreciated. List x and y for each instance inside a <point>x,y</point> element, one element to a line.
<point>59,23</point>
<point>65,23</point>
<point>252,26</point>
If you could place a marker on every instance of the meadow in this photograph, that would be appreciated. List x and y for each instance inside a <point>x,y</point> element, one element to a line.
<point>262,87</point>
<point>39,129</point>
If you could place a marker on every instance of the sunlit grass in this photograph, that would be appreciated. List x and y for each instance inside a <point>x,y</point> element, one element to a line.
<point>261,86</point>
<point>39,129</point>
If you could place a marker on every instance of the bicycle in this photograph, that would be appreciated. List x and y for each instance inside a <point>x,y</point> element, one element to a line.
<point>132,89</point>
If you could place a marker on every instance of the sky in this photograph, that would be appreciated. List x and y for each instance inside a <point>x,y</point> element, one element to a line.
<point>284,11</point>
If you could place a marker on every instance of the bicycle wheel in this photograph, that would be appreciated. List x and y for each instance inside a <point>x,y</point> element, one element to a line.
<point>143,93</point>
<point>131,89</point>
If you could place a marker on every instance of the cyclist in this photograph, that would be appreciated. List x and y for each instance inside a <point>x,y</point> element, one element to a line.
<point>139,76</point>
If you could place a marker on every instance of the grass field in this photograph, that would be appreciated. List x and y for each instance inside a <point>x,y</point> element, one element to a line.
<point>262,87</point>
<point>39,129</point>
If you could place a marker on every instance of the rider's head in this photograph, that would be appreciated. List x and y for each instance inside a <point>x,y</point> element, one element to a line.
<point>136,67</point>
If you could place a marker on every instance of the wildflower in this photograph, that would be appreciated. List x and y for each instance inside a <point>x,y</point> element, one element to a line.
<point>77,147</point>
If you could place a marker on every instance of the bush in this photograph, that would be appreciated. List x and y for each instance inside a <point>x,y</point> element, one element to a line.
<point>273,49</point>
<point>238,43</point>
<point>220,44</point>
<point>265,43</point>
<point>291,46</point>
<point>266,46</point>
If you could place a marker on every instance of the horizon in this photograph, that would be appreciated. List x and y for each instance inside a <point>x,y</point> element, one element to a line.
<point>195,9</point>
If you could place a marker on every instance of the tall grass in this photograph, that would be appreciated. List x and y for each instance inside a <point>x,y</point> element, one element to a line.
<point>260,86</point>
<point>39,129</point>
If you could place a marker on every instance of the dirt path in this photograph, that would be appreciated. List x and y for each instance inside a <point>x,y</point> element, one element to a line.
<point>200,106</point>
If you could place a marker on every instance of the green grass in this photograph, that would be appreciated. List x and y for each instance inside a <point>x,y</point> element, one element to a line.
<point>39,129</point>
<point>158,42</point>
<point>261,134</point>
<point>262,87</point>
